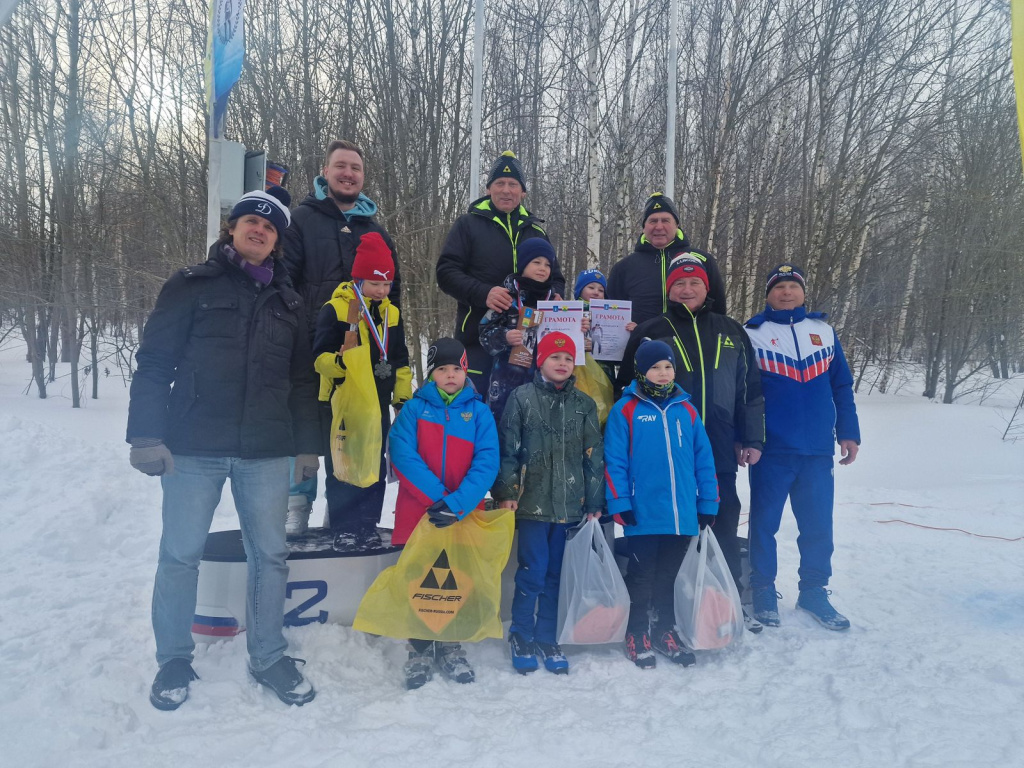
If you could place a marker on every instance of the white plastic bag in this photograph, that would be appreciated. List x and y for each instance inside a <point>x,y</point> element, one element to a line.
<point>593,603</point>
<point>708,610</point>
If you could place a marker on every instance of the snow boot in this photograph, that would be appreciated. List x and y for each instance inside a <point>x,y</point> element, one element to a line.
<point>766,605</point>
<point>814,600</point>
<point>419,667</point>
<point>285,680</point>
<point>554,659</point>
<point>639,651</point>
<point>451,660</point>
<point>170,688</point>
<point>524,655</point>
<point>297,520</point>
<point>668,644</point>
<point>752,624</point>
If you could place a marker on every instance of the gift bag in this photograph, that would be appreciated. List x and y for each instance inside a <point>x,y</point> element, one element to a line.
<point>593,381</point>
<point>593,604</point>
<point>446,584</point>
<point>708,610</point>
<point>355,422</point>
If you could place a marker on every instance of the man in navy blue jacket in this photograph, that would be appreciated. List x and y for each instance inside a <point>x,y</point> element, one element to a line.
<point>808,399</point>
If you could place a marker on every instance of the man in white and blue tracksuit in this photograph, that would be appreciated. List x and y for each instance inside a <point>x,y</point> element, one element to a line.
<point>808,399</point>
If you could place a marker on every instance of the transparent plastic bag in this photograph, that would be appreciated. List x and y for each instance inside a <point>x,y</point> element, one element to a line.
<point>708,610</point>
<point>593,603</point>
<point>446,584</point>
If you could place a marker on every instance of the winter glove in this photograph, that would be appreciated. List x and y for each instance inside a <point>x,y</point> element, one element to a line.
<point>306,466</point>
<point>705,520</point>
<point>440,515</point>
<point>150,456</point>
<point>625,518</point>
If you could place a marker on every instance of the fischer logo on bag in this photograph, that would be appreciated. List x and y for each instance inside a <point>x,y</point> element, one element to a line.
<point>440,594</point>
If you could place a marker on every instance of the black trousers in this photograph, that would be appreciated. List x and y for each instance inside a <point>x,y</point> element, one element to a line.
<point>727,522</point>
<point>480,362</point>
<point>650,578</point>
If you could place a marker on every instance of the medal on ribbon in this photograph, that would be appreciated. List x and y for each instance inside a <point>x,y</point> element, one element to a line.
<point>382,369</point>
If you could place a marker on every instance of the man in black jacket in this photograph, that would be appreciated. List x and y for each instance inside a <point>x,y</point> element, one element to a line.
<point>225,389</point>
<point>716,367</point>
<point>640,276</point>
<point>480,251</point>
<point>319,249</point>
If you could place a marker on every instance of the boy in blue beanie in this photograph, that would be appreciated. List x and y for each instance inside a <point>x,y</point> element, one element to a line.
<point>656,451</point>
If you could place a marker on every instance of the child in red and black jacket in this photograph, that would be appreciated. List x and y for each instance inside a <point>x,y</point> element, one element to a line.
<point>444,449</point>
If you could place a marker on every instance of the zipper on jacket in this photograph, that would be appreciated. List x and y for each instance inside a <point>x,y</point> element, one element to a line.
<point>671,465</point>
<point>664,288</point>
<point>718,354</point>
<point>703,375</point>
<point>796,346</point>
<point>679,433</point>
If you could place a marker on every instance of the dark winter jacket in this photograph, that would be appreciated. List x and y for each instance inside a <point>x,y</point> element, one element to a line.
<point>477,254</point>
<point>640,277</point>
<point>225,367</point>
<point>807,384</point>
<point>552,459</point>
<point>715,365</point>
<point>320,246</point>
<point>505,377</point>
<point>656,454</point>
<point>441,451</point>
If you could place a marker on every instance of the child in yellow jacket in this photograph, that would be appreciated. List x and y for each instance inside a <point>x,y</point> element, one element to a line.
<point>364,368</point>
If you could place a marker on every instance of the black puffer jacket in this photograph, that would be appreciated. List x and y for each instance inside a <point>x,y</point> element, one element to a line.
<point>238,357</point>
<point>319,248</point>
<point>715,365</point>
<point>477,254</point>
<point>640,277</point>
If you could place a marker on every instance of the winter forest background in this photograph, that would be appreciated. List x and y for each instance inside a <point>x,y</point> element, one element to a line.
<point>873,141</point>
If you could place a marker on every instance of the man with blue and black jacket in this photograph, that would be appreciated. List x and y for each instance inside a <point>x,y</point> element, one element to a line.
<point>808,395</point>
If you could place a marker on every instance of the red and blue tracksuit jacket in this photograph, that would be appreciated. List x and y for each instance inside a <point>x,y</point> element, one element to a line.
<point>658,463</point>
<point>441,451</point>
<point>806,381</point>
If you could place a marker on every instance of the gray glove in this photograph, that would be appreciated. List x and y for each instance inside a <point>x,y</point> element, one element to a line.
<point>151,457</point>
<point>306,466</point>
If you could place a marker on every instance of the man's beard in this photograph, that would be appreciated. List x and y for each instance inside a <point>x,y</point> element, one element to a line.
<point>345,199</point>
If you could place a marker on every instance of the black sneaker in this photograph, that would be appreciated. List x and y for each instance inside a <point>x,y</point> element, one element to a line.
<point>451,660</point>
<point>524,655</point>
<point>419,667</point>
<point>554,659</point>
<point>638,650</point>
<point>284,679</point>
<point>668,644</point>
<point>170,688</point>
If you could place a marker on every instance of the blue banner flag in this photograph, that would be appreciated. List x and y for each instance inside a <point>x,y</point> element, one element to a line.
<point>225,51</point>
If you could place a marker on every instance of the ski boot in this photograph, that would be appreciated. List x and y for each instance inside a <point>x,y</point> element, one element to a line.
<point>639,651</point>
<point>554,659</point>
<point>668,644</point>
<point>419,667</point>
<point>524,655</point>
<point>451,660</point>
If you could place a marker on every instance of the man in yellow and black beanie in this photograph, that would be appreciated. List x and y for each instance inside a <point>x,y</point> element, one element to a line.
<point>507,166</point>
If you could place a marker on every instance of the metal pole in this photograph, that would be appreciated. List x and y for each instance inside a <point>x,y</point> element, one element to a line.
<point>670,120</point>
<point>213,192</point>
<point>478,89</point>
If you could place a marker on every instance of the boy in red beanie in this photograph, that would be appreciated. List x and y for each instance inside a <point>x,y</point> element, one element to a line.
<point>360,345</point>
<point>551,474</point>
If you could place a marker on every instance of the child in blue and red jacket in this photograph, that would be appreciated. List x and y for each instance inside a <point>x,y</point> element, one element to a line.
<point>661,487</point>
<point>808,408</point>
<point>444,449</point>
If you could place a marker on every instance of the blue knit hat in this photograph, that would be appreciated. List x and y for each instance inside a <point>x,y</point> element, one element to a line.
<point>782,273</point>
<point>650,352</point>
<point>271,205</point>
<point>532,248</point>
<point>586,278</point>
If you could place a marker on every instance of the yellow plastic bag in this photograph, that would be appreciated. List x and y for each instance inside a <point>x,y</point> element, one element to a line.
<point>446,584</point>
<point>592,380</point>
<point>355,422</point>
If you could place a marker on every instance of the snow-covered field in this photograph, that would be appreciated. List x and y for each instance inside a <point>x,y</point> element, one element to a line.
<point>932,673</point>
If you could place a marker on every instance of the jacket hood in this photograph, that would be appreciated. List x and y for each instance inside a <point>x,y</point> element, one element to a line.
<point>430,393</point>
<point>548,386</point>
<point>784,316</point>
<point>320,199</point>
<point>644,246</point>
<point>678,395</point>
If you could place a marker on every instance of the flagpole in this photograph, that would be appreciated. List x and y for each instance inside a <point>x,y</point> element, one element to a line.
<point>478,87</point>
<point>670,122</point>
<point>213,191</point>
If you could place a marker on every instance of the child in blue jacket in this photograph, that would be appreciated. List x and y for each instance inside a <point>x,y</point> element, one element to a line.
<point>808,408</point>
<point>444,449</point>
<point>661,486</point>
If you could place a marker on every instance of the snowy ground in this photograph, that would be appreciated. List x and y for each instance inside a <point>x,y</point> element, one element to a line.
<point>930,675</point>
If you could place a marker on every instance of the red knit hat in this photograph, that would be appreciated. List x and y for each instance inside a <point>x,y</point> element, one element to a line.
<point>373,259</point>
<point>688,269</point>
<point>554,342</point>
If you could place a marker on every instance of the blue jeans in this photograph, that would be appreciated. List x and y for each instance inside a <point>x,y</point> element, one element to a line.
<point>191,494</point>
<point>535,602</point>
<point>808,484</point>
